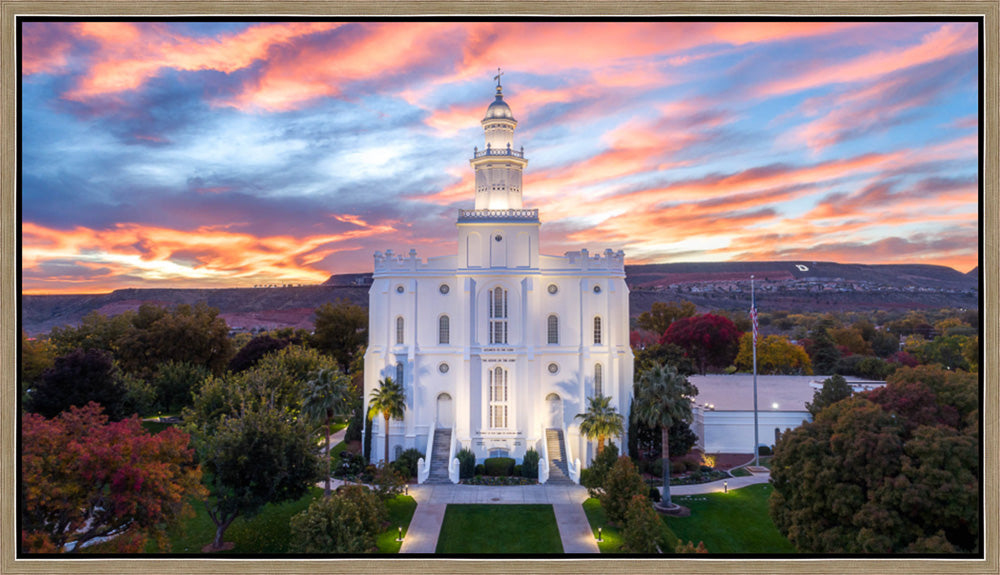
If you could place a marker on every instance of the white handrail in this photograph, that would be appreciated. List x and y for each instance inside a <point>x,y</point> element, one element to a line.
<point>453,463</point>
<point>572,465</point>
<point>543,461</point>
<point>424,463</point>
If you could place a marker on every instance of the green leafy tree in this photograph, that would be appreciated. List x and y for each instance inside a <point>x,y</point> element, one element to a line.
<point>889,471</point>
<point>946,350</point>
<point>76,379</point>
<point>252,352</point>
<point>662,314</point>
<point>851,339</point>
<point>37,355</point>
<point>193,334</point>
<point>339,330</point>
<point>286,374</point>
<point>84,478</point>
<point>663,397</point>
<point>621,483</point>
<point>884,343</point>
<point>327,397</point>
<point>594,476</point>
<point>389,401</point>
<point>834,389</point>
<point>664,354</point>
<point>600,421</point>
<point>775,355</point>
<point>822,350</point>
<point>175,382</point>
<point>255,456</point>
<point>643,529</point>
<point>95,331</point>
<point>346,523</point>
<point>710,340</point>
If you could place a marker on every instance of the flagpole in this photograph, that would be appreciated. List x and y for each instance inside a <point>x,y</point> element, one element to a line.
<point>753,313</point>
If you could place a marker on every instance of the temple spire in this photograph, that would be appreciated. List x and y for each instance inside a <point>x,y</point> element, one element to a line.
<point>497,78</point>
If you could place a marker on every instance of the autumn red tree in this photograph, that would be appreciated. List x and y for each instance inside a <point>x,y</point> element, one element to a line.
<point>84,478</point>
<point>710,340</point>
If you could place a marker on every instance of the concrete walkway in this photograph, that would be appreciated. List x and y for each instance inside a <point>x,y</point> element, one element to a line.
<point>719,486</point>
<point>566,501</point>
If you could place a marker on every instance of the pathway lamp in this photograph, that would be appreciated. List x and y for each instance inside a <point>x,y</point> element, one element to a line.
<point>600,535</point>
<point>725,487</point>
<point>400,537</point>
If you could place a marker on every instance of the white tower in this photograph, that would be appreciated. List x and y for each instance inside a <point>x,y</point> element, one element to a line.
<point>499,166</point>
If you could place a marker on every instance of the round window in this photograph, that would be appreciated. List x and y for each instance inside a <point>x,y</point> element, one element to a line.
<point>597,289</point>
<point>399,289</point>
<point>553,288</point>
<point>443,368</point>
<point>553,368</point>
<point>498,237</point>
<point>444,288</point>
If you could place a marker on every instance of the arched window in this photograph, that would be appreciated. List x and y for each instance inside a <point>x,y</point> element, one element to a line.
<point>498,315</point>
<point>597,331</point>
<point>498,398</point>
<point>399,330</point>
<point>598,379</point>
<point>399,372</point>
<point>553,329</point>
<point>444,330</point>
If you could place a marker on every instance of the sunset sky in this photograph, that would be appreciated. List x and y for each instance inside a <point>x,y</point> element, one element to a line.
<point>221,154</point>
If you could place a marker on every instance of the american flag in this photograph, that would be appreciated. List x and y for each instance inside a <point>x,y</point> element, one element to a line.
<point>753,320</point>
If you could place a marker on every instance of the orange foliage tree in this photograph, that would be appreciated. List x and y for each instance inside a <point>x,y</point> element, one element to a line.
<point>775,355</point>
<point>86,480</point>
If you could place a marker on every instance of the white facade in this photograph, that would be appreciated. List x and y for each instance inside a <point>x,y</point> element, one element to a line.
<point>498,343</point>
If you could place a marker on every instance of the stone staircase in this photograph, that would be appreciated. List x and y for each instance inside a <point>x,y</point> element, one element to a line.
<point>439,458</point>
<point>558,470</point>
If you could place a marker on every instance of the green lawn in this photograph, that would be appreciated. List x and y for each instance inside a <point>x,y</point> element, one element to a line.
<point>499,529</point>
<point>268,532</point>
<point>734,522</point>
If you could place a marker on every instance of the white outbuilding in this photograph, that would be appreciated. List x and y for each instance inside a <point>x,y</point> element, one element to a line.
<point>499,346</point>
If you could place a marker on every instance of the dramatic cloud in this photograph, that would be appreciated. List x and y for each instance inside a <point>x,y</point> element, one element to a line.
<point>229,154</point>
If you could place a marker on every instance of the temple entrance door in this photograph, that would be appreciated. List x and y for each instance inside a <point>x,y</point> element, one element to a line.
<point>555,411</point>
<point>445,411</point>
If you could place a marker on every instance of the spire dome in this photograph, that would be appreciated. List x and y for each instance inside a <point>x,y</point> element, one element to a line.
<point>499,110</point>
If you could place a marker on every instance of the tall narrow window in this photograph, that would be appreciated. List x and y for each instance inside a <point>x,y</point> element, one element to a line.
<point>553,329</point>
<point>597,331</point>
<point>598,379</point>
<point>498,398</point>
<point>399,372</point>
<point>444,330</point>
<point>498,315</point>
<point>399,330</point>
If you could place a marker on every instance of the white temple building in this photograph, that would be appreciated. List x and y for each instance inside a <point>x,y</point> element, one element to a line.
<point>499,346</point>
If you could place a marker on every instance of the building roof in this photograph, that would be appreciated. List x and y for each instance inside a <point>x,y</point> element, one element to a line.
<point>735,392</point>
<point>498,109</point>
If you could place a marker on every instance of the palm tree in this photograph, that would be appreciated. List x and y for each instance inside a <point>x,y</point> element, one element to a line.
<point>389,400</point>
<point>600,421</point>
<point>328,395</point>
<point>663,397</point>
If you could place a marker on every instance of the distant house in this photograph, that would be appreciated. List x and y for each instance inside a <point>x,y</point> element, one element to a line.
<point>723,414</point>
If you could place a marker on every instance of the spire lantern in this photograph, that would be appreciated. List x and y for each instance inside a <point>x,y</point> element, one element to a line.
<point>499,166</point>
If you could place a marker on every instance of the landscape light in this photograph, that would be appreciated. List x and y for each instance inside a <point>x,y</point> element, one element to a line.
<point>600,535</point>
<point>400,538</point>
<point>725,487</point>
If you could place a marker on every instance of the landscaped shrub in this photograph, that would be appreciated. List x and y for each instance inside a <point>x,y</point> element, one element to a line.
<point>690,548</point>
<point>643,529</point>
<point>497,466</point>
<point>764,450</point>
<point>466,463</point>
<point>480,469</point>
<point>529,465</point>
<point>654,494</point>
<point>622,483</point>
<point>598,470</point>
<point>388,482</point>
<point>406,463</point>
<point>346,522</point>
<point>350,465</point>
<point>354,426</point>
<point>518,470</point>
<point>691,465</point>
<point>676,467</point>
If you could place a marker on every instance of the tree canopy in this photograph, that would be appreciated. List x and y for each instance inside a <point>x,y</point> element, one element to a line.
<point>85,478</point>
<point>662,314</point>
<point>775,355</point>
<point>710,340</point>
<point>889,471</point>
<point>340,329</point>
<point>76,379</point>
<point>600,421</point>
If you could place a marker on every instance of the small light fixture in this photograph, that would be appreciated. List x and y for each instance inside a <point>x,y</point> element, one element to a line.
<point>725,487</point>
<point>400,537</point>
<point>600,535</point>
<point>774,405</point>
<point>406,489</point>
